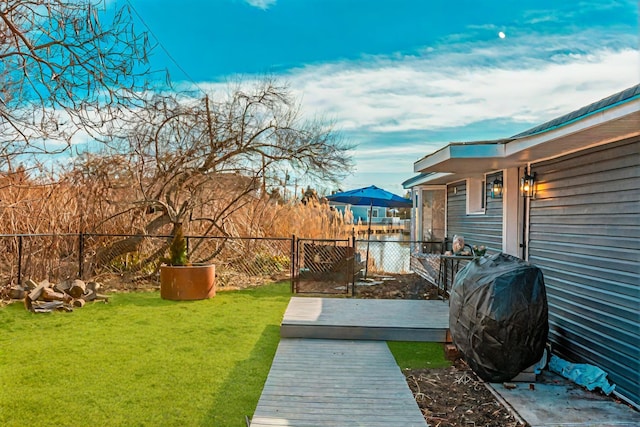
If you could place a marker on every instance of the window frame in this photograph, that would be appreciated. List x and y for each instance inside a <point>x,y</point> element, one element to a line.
<point>476,197</point>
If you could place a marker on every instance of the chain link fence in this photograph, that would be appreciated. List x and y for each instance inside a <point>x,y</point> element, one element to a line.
<point>319,266</point>
<point>384,256</point>
<point>44,256</point>
<point>124,258</point>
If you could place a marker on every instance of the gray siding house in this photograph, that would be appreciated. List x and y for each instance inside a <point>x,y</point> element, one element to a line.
<point>580,223</point>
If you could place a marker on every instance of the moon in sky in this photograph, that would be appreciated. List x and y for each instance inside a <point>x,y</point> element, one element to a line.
<point>502,35</point>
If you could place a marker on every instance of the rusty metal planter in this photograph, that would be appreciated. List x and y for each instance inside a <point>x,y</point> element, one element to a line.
<point>192,282</point>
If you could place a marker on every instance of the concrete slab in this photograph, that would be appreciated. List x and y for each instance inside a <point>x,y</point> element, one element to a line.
<point>556,401</point>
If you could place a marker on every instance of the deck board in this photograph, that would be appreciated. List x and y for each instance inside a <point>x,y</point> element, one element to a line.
<point>366,319</point>
<point>317,382</point>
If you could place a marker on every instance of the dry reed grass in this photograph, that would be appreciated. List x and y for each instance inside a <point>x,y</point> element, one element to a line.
<point>70,205</point>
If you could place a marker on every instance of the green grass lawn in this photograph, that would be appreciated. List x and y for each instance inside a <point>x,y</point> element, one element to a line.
<point>144,361</point>
<point>418,355</point>
<point>140,360</point>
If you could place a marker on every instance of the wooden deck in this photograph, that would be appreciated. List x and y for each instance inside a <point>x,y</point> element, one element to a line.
<point>316,382</point>
<point>363,229</point>
<point>366,319</point>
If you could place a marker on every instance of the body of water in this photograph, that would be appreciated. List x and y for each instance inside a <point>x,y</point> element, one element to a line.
<point>389,253</point>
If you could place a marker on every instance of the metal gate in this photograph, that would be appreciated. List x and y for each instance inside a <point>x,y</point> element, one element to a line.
<point>324,266</point>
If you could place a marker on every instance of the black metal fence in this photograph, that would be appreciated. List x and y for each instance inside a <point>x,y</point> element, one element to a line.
<point>324,266</point>
<point>244,260</point>
<point>385,256</point>
<point>312,265</point>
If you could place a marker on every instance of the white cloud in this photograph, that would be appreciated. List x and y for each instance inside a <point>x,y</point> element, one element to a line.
<point>261,4</point>
<point>389,105</point>
<point>525,79</point>
<point>434,93</point>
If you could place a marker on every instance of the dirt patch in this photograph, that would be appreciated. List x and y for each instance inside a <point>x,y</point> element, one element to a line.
<point>396,286</point>
<point>455,396</point>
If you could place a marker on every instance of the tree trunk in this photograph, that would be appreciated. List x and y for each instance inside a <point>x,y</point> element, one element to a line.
<point>130,244</point>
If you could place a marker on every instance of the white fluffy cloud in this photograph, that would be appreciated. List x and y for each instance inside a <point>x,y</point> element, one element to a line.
<point>392,106</point>
<point>423,93</point>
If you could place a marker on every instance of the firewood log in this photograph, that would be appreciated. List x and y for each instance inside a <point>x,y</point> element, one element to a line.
<point>47,307</point>
<point>78,303</point>
<point>94,286</point>
<point>30,285</point>
<point>62,286</point>
<point>28,304</point>
<point>48,294</point>
<point>37,291</point>
<point>89,296</point>
<point>17,293</point>
<point>100,297</point>
<point>77,289</point>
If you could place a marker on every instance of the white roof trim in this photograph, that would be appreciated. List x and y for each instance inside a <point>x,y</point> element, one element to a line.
<point>488,150</point>
<point>430,178</point>
<point>522,144</point>
<point>515,150</point>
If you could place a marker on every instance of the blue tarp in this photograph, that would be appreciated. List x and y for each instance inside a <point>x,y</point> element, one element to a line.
<point>588,376</point>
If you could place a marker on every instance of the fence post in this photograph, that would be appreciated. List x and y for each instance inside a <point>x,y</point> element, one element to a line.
<point>80,255</point>
<point>293,262</point>
<point>19,260</point>
<point>352,273</point>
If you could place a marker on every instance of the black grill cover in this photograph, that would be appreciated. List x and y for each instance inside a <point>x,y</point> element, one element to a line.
<point>498,316</point>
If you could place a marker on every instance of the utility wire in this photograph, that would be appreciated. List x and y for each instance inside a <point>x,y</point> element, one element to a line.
<point>166,51</point>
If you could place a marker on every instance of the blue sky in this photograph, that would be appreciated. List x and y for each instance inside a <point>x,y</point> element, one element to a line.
<point>402,78</point>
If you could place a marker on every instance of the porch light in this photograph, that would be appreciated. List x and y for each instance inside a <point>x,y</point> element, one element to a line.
<point>527,185</point>
<point>496,189</point>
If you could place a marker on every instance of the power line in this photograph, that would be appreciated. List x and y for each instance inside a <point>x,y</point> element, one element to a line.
<point>166,51</point>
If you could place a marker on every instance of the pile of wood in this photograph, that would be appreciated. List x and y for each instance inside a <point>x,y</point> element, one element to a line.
<point>45,297</point>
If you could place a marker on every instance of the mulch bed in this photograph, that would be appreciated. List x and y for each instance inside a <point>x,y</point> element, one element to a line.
<point>455,396</point>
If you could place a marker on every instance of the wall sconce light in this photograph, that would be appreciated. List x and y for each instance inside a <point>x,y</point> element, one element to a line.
<point>496,189</point>
<point>527,185</point>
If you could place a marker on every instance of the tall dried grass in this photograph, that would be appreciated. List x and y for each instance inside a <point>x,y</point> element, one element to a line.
<point>65,207</point>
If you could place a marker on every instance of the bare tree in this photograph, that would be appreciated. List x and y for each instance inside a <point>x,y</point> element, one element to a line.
<point>62,71</point>
<point>197,161</point>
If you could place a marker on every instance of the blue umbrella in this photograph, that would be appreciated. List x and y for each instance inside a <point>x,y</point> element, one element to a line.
<point>370,196</point>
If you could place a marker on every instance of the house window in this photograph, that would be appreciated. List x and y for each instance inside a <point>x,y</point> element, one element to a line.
<point>374,213</point>
<point>476,195</point>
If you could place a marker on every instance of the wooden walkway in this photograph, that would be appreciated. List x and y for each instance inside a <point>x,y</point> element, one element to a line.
<point>333,366</point>
<point>316,382</point>
<point>366,319</point>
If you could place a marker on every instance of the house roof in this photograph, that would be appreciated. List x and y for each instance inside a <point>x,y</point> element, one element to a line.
<point>416,180</point>
<point>603,104</point>
<point>612,118</point>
